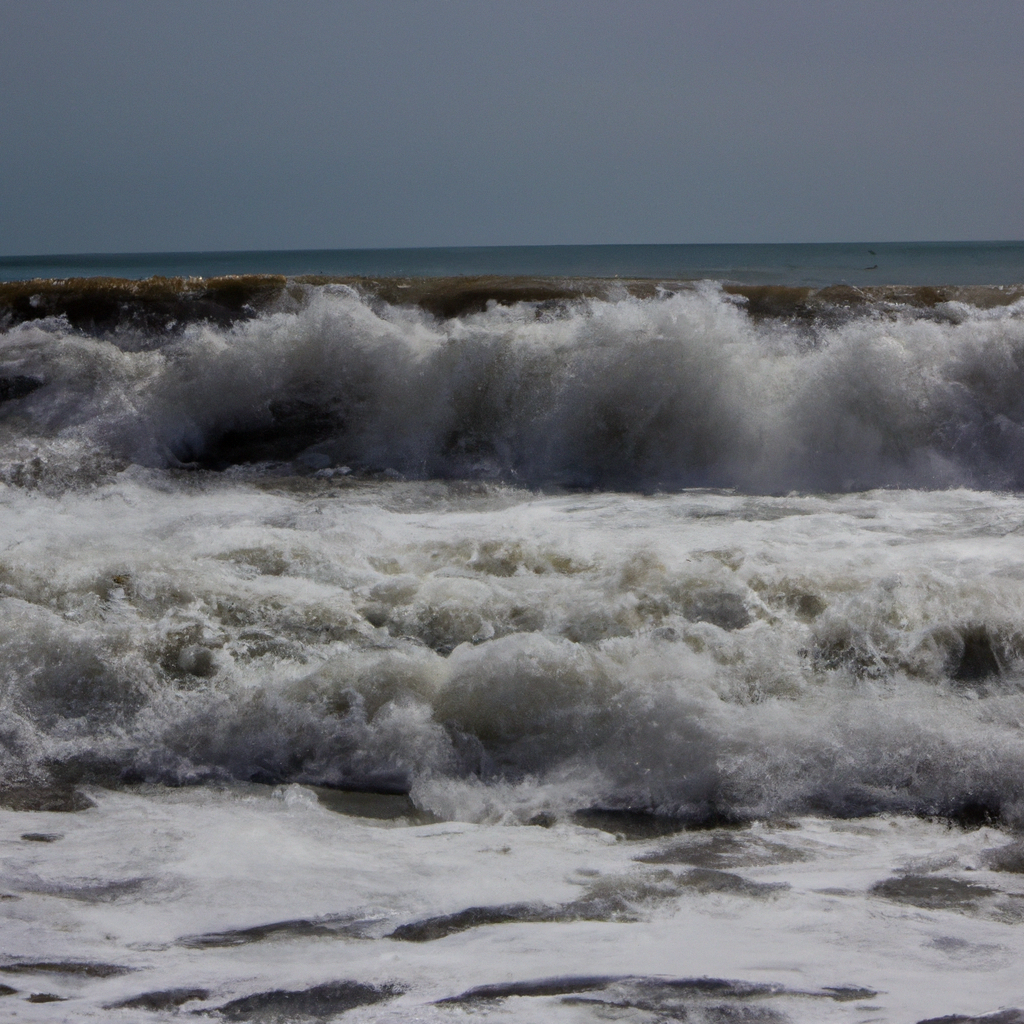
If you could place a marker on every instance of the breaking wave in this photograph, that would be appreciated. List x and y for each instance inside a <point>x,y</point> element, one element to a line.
<point>697,386</point>
<point>498,653</point>
<point>345,541</point>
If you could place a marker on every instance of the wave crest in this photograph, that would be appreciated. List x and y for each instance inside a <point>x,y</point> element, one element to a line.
<point>681,390</point>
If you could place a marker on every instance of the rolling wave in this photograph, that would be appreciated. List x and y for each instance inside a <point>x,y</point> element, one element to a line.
<point>765,390</point>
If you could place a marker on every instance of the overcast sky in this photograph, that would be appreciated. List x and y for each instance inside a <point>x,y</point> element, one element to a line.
<point>150,125</point>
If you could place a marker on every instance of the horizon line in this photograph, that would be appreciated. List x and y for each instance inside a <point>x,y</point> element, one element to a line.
<point>544,245</point>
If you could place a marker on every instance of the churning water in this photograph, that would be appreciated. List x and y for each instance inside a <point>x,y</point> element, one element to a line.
<point>603,652</point>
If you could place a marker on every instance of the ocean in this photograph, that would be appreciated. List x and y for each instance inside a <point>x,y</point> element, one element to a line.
<point>814,264</point>
<point>560,634</point>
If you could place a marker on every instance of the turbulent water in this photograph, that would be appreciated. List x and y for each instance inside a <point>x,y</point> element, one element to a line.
<point>605,558</point>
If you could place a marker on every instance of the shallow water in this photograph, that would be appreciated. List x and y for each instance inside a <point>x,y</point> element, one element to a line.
<point>244,895</point>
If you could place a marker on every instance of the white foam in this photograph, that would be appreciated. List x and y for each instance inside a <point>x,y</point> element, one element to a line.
<point>195,862</point>
<point>701,653</point>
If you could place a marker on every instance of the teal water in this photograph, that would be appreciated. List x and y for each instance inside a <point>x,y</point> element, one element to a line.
<point>815,265</point>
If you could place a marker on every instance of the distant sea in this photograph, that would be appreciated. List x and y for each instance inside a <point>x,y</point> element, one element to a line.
<point>813,264</point>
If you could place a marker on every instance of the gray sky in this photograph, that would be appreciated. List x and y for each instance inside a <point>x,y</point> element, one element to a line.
<point>147,125</point>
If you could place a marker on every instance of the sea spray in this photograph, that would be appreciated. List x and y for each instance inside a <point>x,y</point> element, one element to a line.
<point>685,389</point>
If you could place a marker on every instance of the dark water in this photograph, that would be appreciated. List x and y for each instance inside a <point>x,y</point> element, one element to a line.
<point>814,265</point>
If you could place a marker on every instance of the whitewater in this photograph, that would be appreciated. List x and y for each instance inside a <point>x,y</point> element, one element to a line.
<point>533,651</point>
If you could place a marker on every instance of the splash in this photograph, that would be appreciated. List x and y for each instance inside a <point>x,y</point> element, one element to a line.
<point>696,387</point>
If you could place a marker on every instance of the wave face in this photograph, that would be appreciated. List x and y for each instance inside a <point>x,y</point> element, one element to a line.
<point>679,390</point>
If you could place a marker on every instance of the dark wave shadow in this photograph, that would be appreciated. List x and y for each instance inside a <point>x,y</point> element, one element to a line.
<point>165,999</point>
<point>697,999</point>
<point>317,1003</point>
<point>300,928</point>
